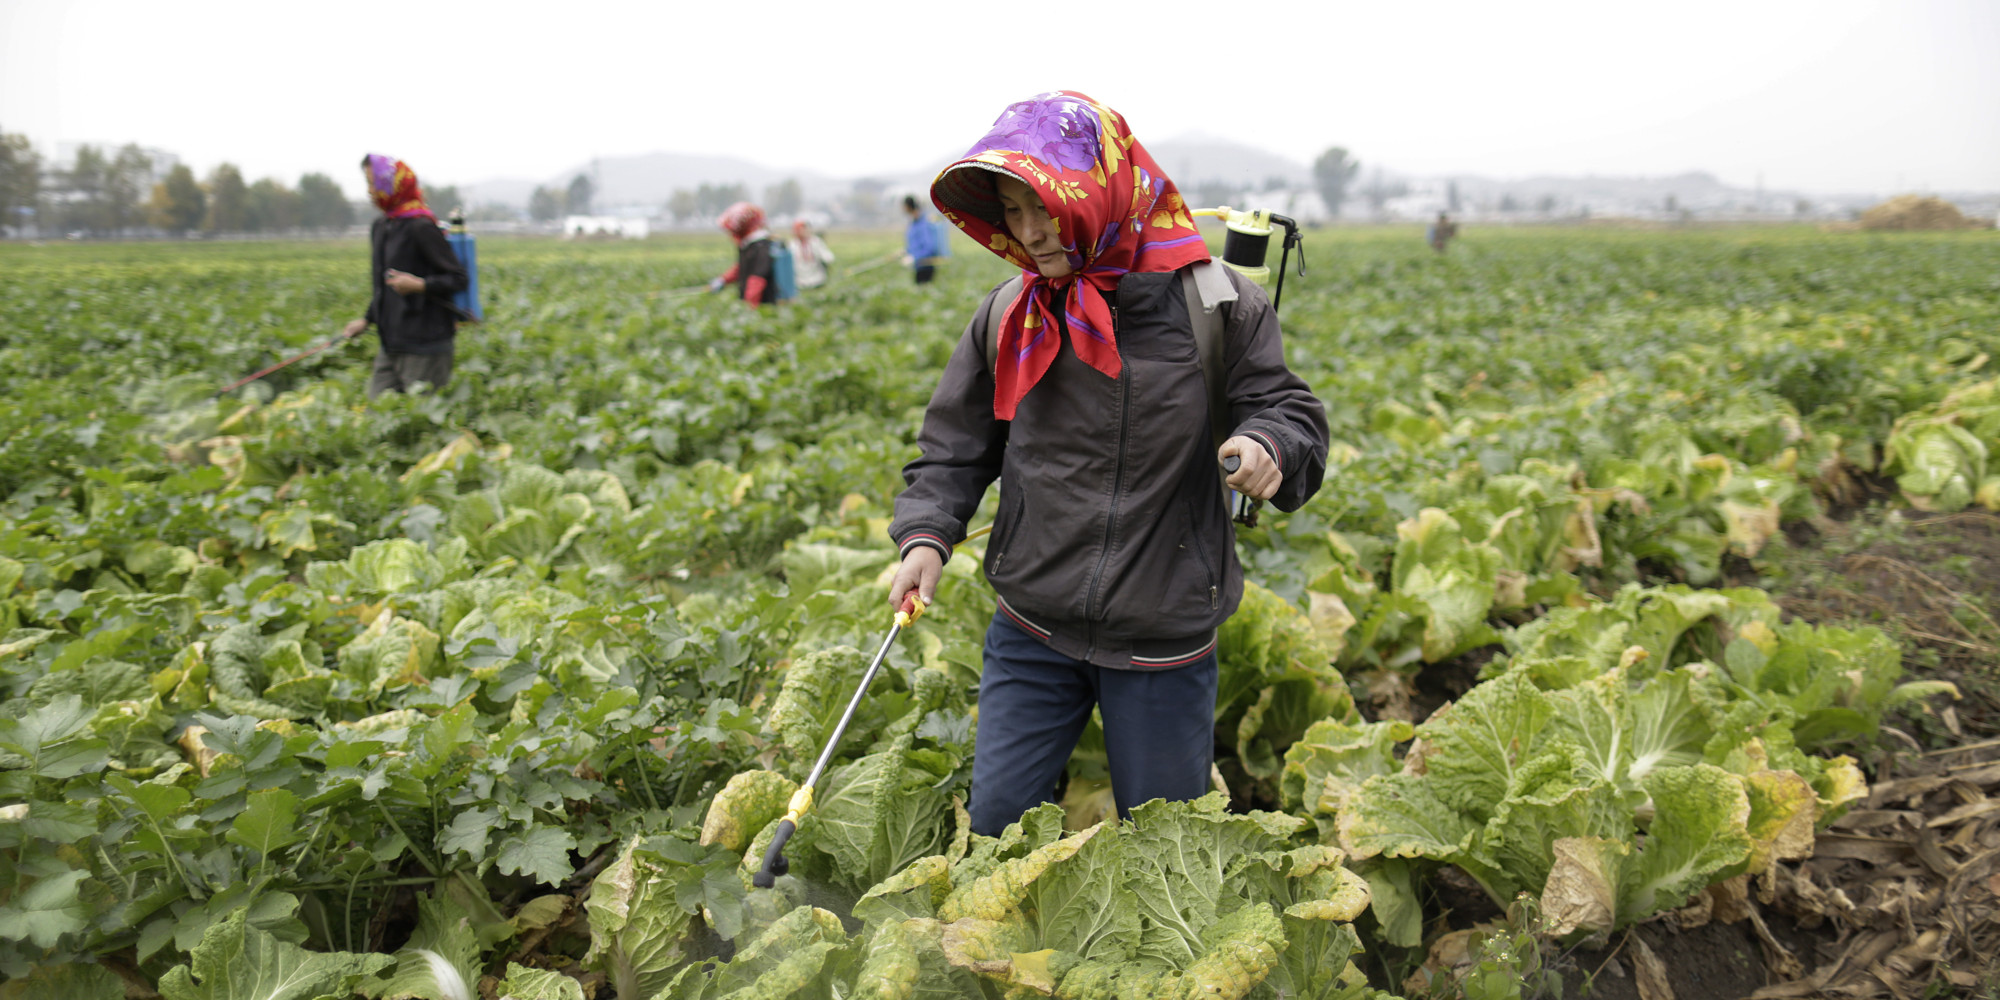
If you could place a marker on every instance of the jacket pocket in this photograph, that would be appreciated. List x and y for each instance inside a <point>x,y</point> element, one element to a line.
<point>1161,583</point>
<point>1212,578</point>
<point>1004,527</point>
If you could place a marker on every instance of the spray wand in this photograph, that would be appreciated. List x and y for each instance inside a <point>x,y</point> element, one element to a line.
<point>339,338</point>
<point>775,863</point>
<point>871,265</point>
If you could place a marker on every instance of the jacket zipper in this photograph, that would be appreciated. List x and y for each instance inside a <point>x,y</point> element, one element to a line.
<point>1117,480</point>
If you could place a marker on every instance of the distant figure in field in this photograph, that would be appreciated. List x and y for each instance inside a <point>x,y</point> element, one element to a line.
<point>810,255</point>
<point>1441,232</point>
<point>754,276</point>
<point>920,242</point>
<point>414,274</point>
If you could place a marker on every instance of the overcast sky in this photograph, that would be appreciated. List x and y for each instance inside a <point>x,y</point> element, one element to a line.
<point>1823,96</point>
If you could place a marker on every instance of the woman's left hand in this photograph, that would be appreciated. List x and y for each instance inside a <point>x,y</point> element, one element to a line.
<point>1258,477</point>
<point>403,283</point>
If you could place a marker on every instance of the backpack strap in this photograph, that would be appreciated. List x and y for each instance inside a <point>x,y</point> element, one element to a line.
<point>1209,293</point>
<point>1007,290</point>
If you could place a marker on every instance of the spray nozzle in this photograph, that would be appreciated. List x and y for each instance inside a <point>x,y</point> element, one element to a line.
<point>1294,240</point>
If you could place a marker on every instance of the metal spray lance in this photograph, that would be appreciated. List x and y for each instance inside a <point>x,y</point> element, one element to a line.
<point>775,863</point>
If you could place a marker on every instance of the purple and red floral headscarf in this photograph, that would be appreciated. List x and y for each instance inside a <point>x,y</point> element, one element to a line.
<point>1114,210</point>
<point>392,186</point>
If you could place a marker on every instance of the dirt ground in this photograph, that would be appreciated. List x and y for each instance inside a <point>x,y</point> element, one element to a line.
<point>1931,580</point>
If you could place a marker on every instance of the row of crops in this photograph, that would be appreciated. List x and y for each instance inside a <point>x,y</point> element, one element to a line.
<point>499,691</point>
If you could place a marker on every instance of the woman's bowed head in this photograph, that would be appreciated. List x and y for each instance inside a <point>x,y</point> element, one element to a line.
<point>741,221</point>
<point>1028,221</point>
<point>392,186</point>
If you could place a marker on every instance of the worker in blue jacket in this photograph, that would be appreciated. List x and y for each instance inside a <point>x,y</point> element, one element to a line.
<point>920,242</point>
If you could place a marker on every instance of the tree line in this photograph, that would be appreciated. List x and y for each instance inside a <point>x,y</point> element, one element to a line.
<point>104,193</point>
<point>785,198</point>
<point>547,204</point>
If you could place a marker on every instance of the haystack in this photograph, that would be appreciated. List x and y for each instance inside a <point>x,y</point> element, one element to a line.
<point>1911,211</point>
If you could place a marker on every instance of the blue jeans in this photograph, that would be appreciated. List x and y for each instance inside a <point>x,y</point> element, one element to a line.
<point>1159,727</point>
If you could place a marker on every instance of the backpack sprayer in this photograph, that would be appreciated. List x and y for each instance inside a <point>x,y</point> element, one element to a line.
<point>775,863</point>
<point>465,303</point>
<point>1247,244</point>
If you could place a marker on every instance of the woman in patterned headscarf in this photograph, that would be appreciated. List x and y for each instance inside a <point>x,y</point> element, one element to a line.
<point>754,275</point>
<point>1113,556</point>
<point>415,274</point>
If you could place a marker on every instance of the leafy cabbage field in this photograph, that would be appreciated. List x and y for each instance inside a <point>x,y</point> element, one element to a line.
<point>499,691</point>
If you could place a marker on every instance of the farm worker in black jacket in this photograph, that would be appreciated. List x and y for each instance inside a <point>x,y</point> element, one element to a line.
<point>754,276</point>
<point>415,274</point>
<point>1113,555</point>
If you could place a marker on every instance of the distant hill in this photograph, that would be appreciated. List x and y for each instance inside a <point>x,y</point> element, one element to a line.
<point>1197,158</point>
<point>651,178</point>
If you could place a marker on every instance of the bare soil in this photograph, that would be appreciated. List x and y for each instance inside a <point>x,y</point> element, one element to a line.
<point>1931,580</point>
<point>1714,960</point>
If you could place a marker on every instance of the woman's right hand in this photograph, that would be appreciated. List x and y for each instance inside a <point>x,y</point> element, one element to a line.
<point>920,571</point>
<point>353,328</point>
<point>402,282</point>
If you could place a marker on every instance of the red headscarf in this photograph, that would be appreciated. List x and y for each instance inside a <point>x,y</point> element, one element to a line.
<point>392,185</point>
<point>741,220</point>
<point>1114,210</point>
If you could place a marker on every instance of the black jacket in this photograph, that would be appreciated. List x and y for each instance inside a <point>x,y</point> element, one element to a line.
<point>414,324</point>
<point>753,260</point>
<point>1114,543</point>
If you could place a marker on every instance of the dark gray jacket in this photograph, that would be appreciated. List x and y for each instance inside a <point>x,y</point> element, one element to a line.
<point>423,323</point>
<point>1114,543</point>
